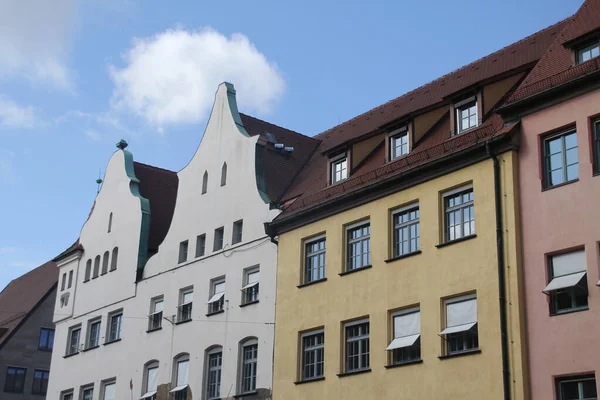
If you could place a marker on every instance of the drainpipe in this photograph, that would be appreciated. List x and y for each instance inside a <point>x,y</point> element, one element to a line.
<point>501,277</point>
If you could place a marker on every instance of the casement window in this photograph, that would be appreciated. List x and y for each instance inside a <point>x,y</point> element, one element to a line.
<point>466,115</point>
<point>313,354</point>
<point>113,260</point>
<point>73,340</point>
<point>218,242</point>
<point>358,237</point>
<point>568,289</point>
<point>339,168</point>
<point>46,342</point>
<point>183,251</point>
<point>597,146</point>
<point>150,382</point>
<point>459,211</point>
<point>460,332</point>
<point>63,282</point>
<point>216,302</point>
<point>70,279</point>
<point>114,325</point>
<point>156,313</point>
<point>314,259</point>
<point>184,309</point>
<point>399,144</point>
<point>108,390</point>
<point>200,245</point>
<point>67,395</point>
<point>180,380</point>
<point>561,160</point>
<point>96,267</point>
<point>15,380</point>
<point>87,393</point>
<point>237,232</point>
<point>248,366</point>
<point>88,270</point>
<point>251,285</point>
<point>576,388</point>
<point>407,230</point>
<point>213,373</point>
<point>405,346</point>
<point>40,381</point>
<point>356,353</point>
<point>588,51</point>
<point>93,336</point>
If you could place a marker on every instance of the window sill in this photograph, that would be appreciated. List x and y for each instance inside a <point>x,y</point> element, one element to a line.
<point>215,313</point>
<point>462,239</point>
<point>544,189</point>
<point>86,280</point>
<point>90,348</point>
<point>463,353</point>
<point>362,371</point>
<point>412,253</point>
<point>94,277</point>
<point>355,270</point>
<point>154,330</point>
<point>237,396</point>
<point>249,303</point>
<point>183,322</point>
<point>569,311</point>
<point>322,378</point>
<point>71,355</point>
<point>112,341</point>
<point>404,364</point>
<point>104,273</point>
<point>311,283</point>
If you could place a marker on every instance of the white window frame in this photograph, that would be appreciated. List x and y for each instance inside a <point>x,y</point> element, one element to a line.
<point>88,341</point>
<point>306,255</point>
<point>250,290</point>
<point>568,282</point>
<point>343,171</point>
<point>462,329</point>
<point>201,245</point>
<point>464,105</point>
<point>315,350</point>
<point>183,305</point>
<point>109,328</point>
<point>84,389</point>
<point>360,338</point>
<point>148,392</point>
<point>415,222</point>
<point>184,248</point>
<point>455,208</point>
<point>65,393</point>
<point>155,316</point>
<point>237,232</point>
<point>177,385</point>
<point>254,370</point>
<point>393,137</point>
<point>218,370</point>
<point>221,231</point>
<point>406,342</point>
<point>216,302</point>
<point>588,48</point>
<point>364,238</point>
<point>69,340</point>
<point>104,385</point>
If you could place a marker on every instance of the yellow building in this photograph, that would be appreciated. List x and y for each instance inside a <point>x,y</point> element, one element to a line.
<point>398,267</point>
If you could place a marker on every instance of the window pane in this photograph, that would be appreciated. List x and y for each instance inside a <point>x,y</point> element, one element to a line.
<point>589,389</point>
<point>570,390</point>
<point>572,172</point>
<point>555,146</point>
<point>556,177</point>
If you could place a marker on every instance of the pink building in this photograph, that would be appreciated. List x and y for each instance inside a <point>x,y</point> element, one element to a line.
<point>558,106</point>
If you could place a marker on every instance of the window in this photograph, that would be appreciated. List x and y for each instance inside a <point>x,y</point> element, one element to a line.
<point>313,355</point>
<point>156,314</point>
<point>249,363</point>
<point>87,393</point>
<point>218,244</point>
<point>407,232</point>
<point>15,380</point>
<point>150,382</point>
<point>466,115</point>
<point>224,174</point>
<point>200,245</point>
<point>250,288</point>
<point>339,169</point>
<point>460,214</point>
<point>64,281</point>
<point>237,232</point>
<point>217,299</point>
<point>576,388</point>
<point>399,144</point>
<point>461,325</point>
<point>597,146</point>
<point>588,52</point>
<point>46,339</point>
<point>568,285</point>
<point>183,251</point>
<point>96,267</point>
<point>109,222</point>
<point>67,395</point>
<point>186,297</point>
<point>93,339</point>
<point>73,342</point>
<point>213,373</point>
<point>114,325</point>
<point>357,346</point>
<point>70,279</point>
<point>561,163</point>
<point>105,262</point>
<point>40,381</point>
<point>113,260</point>
<point>406,343</point>
<point>108,390</point>
<point>314,262</point>
<point>181,378</point>
<point>204,182</point>
<point>359,246</point>
<point>88,270</point>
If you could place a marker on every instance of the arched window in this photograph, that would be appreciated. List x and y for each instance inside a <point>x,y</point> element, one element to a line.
<point>105,263</point>
<point>96,267</point>
<point>224,174</point>
<point>204,182</point>
<point>180,376</point>
<point>247,365</point>
<point>150,380</point>
<point>109,222</point>
<point>88,270</point>
<point>113,261</point>
<point>212,372</point>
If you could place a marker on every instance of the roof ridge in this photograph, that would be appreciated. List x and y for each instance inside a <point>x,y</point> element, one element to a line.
<point>154,167</point>
<point>278,126</point>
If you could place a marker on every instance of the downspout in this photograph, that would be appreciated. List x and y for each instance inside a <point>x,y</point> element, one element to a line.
<point>501,277</point>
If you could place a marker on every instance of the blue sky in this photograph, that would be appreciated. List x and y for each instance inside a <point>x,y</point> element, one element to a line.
<point>77,76</point>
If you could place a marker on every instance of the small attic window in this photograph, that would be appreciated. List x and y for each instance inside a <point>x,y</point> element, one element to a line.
<point>399,145</point>
<point>339,168</point>
<point>466,114</point>
<point>588,51</point>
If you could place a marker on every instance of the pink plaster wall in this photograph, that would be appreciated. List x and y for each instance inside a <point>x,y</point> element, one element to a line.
<point>554,220</point>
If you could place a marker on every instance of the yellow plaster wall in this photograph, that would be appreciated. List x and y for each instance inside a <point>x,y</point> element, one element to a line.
<point>422,279</point>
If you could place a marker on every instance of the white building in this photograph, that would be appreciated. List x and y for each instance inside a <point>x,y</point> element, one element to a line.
<point>174,293</point>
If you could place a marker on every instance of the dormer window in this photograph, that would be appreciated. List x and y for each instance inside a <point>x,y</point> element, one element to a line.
<point>587,52</point>
<point>339,168</point>
<point>466,115</point>
<point>399,143</point>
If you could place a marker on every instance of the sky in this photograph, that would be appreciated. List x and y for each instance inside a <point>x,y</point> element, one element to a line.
<point>77,76</point>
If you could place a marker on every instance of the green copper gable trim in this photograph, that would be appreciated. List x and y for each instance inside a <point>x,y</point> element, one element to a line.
<point>234,109</point>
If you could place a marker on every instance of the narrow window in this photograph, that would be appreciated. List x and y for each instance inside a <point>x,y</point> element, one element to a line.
<point>466,115</point>
<point>218,244</point>
<point>156,314</point>
<point>73,341</point>
<point>183,251</point>
<point>205,182</point>
<point>251,284</point>
<point>224,174</point>
<point>459,213</point>
<point>96,267</point>
<point>249,364</point>
<point>213,373</point>
<point>180,380</point>
<point>93,339</point>
<point>568,289</point>
<point>113,261</point>
<point>70,279</point>
<point>40,381</point>
<point>63,282</point>
<point>314,260</point>
<point>105,262</point>
<point>399,144</point>
<point>576,388</point>
<point>359,246</point>
<point>339,169</point>
<point>150,381</point>
<point>313,355</point>
<point>108,390</point>
<point>186,297</point>
<point>356,336</point>
<point>217,298</point>
<point>597,146</point>
<point>114,326</point>
<point>407,231</point>
<point>460,332</point>
<point>87,393</point>
<point>200,245</point>
<point>46,342</point>
<point>88,270</point>
<point>589,51</point>
<point>237,232</point>
<point>15,380</point>
<point>405,346</point>
<point>67,395</point>
<point>109,222</point>
<point>561,160</point>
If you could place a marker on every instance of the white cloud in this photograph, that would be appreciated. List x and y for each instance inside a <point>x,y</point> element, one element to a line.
<point>7,249</point>
<point>34,37</point>
<point>12,115</point>
<point>93,135</point>
<point>171,77</point>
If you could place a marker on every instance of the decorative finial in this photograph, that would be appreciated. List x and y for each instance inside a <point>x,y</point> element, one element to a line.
<point>122,144</point>
<point>98,181</point>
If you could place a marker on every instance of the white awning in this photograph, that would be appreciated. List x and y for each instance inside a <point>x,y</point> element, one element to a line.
<point>216,297</point>
<point>569,263</point>
<point>405,341</point>
<point>458,328</point>
<point>565,281</point>
<point>251,284</point>
<point>147,395</point>
<point>178,388</point>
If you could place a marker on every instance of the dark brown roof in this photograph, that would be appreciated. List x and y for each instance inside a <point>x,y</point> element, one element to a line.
<point>72,248</point>
<point>279,167</point>
<point>22,294</point>
<point>159,186</point>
